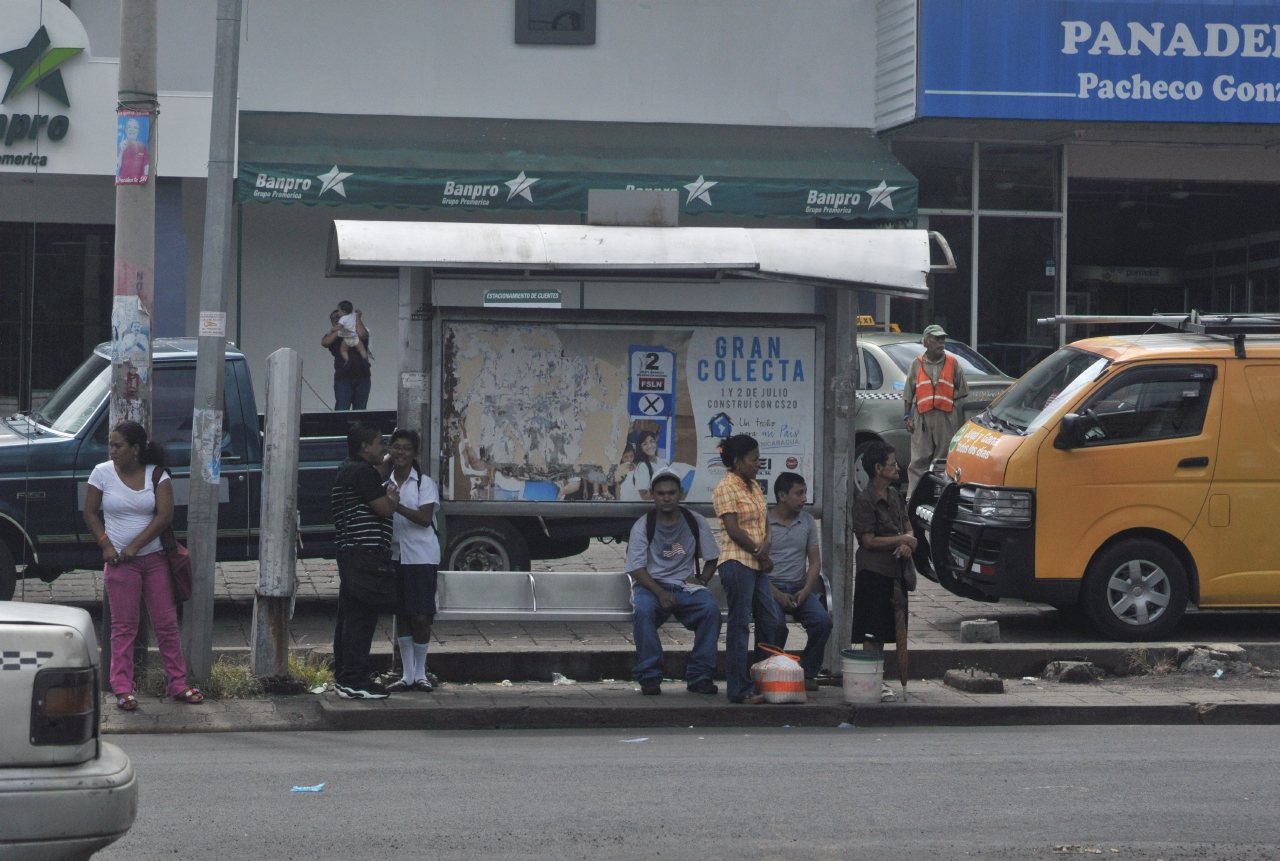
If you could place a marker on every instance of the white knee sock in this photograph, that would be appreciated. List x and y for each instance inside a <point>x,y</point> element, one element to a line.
<point>407,657</point>
<point>420,660</point>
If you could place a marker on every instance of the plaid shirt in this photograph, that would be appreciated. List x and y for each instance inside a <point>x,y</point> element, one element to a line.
<point>735,496</point>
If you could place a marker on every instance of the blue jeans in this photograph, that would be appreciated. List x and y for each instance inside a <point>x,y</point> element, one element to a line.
<point>749,593</point>
<point>697,611</point>
<point>817,625</point>
<point>351,394</point>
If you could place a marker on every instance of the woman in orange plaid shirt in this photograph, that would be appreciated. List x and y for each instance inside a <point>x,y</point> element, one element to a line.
<point>744,562</point>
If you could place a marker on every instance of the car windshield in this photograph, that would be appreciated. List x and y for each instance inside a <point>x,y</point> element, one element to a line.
<point>1031,401</point>
<point>970,361</point>
<point>75,401</point>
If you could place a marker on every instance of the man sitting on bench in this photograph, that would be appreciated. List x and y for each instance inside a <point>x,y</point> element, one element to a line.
<point>662,561</point>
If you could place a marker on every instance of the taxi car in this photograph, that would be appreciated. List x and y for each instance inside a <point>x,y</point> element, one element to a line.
<point>64,793</point>
<point>1130,476</point>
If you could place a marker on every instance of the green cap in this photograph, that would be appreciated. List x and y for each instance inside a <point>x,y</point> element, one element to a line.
<point>936,330</point>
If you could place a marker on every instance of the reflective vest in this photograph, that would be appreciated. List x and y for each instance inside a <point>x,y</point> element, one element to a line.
<point>943,395</point>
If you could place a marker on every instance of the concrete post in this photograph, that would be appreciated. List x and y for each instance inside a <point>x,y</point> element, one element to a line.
<point>838,543</point>
<point>206,421</point>
<point>278,541</point>
<point>135,252</point>
<point>413,395</point>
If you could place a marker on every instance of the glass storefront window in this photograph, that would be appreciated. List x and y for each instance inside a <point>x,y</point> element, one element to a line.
<point>1017,177</point>
<point>945,171</point>
<point>1014,291</point>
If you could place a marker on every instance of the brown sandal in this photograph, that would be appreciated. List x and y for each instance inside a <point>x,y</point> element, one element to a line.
<point>190,695</point>
<point>126,702</point>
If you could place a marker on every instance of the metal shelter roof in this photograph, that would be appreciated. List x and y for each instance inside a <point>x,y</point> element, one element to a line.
<point>895,262</point>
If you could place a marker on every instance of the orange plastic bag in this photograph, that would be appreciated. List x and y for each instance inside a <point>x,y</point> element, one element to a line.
<point>780,678</point>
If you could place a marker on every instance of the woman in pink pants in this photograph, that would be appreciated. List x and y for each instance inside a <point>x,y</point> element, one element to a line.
<point>136,509</point>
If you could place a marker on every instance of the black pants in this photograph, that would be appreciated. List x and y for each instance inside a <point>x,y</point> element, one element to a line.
<point>352,638</point>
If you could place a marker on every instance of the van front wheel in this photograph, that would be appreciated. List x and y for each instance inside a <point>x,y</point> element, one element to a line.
<point>1137,590</point>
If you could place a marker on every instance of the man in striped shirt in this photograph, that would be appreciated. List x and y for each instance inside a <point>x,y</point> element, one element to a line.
<point>362,514</point>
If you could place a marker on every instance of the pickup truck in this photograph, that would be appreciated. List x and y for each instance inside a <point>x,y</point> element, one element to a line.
<point>46,456</point>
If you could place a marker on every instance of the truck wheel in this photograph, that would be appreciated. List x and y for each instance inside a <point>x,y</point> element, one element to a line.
<point>1137,590</point>
<point>8,573</point>
<point>485,545</point>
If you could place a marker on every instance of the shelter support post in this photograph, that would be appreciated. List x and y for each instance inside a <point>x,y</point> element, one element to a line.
<point>278,541</point>
<point>413,400</point>
<point>838,449</point>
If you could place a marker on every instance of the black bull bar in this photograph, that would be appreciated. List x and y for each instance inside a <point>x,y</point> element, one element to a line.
<point>932,512</point>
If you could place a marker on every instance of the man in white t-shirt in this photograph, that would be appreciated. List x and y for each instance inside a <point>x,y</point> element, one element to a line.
<point>662,561</point>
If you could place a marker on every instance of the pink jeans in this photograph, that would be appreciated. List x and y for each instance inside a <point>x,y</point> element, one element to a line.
<point>126,584</point>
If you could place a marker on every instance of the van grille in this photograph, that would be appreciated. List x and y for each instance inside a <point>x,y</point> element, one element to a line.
<point>962,545</point>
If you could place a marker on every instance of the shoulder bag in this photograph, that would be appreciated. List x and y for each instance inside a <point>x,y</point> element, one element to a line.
<point>175,554</point>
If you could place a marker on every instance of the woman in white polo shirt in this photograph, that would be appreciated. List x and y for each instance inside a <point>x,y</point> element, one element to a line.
<point>417,549</point>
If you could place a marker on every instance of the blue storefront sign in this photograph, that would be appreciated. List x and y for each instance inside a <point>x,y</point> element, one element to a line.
<point>1207,62</point>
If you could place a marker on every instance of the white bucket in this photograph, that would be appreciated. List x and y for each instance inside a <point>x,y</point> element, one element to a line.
<point>863,674</point>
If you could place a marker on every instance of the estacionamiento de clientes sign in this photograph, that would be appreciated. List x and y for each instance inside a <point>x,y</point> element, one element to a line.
<point>1090,60</point>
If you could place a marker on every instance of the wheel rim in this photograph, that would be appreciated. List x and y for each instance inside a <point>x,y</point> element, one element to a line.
<point>1138,592</point>
<point>480,554</point>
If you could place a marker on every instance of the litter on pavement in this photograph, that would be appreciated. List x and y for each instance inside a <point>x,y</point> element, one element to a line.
<point>558,679</point>
<point>634,740</point>
<point>319,787</point>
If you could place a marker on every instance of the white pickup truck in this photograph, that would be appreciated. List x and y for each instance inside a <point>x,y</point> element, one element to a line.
<point>64,793</point>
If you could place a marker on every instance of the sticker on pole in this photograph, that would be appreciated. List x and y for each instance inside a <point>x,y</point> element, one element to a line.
<point>213,324</point>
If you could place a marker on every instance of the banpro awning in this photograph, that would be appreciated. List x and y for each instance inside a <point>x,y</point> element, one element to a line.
<point>532,166</point>
<point>885,261</point>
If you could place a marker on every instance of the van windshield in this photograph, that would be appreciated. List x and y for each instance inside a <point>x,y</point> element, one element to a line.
<point>1031,401</point>
<point>74,402</point>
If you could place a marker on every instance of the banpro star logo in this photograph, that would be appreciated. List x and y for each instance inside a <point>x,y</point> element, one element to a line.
<point>333,180</point>
<point>699,189</point>
<point>882,193</point>
<point>520,186</point>
<point>38,64</point>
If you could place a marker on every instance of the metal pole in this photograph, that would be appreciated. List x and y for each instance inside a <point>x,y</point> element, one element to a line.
<point>973,251</point>
<point>135,252</point>
<point>840,487</point>
<point>278,542</point>
<point>206,422</point>
<point>1062,253</point>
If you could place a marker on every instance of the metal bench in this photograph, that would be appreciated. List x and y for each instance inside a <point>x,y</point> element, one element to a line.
<point>545,596</point>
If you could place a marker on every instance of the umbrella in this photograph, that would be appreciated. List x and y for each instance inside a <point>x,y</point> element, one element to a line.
<point>900,628</point>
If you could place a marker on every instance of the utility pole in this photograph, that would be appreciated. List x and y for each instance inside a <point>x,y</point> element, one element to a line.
<point>137,112</point>
<point>839,543</point>
<point>278,534</point>
<point>206,420</point>
<point>133,299</point>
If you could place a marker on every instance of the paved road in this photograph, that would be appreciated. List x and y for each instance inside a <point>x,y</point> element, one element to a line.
<point>1149,792</point>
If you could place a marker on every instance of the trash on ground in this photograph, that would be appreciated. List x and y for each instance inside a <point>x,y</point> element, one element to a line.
<point>558,679</point>
<point>608,681</point>
<point>1031,678</point>
<point>321,688</point>
<point>844,726</point>
<point>1218,674</point>
<point>1069,849</point>
<point>634,740</point>
<point>505,683</point>
<point>319,787</point>
<point>1072,672</point>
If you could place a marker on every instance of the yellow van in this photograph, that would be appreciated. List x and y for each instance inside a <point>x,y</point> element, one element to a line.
<point>1127,475</point>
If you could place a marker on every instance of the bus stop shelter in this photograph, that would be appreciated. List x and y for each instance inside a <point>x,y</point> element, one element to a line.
<point>836,263</point>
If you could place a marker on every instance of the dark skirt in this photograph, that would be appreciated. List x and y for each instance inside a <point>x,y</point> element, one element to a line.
<point>418,590</point>
<point>873,607</point>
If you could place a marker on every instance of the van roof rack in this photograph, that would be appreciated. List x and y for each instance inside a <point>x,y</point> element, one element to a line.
<point>1236,326</point>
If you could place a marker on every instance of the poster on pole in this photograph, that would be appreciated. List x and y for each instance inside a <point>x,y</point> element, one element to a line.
<point>133,149</point>
<point>588,412</point>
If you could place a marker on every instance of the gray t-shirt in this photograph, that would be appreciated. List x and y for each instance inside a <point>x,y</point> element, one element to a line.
<point>669,557</point>
<point>790,549</point>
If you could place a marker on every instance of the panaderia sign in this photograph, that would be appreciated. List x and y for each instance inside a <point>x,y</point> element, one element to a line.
<point>1088,60</point>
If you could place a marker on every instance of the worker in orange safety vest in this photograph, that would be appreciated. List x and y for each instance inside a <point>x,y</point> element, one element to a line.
<point>932,400</point>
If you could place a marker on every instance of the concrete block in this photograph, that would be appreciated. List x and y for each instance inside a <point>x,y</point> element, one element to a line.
<point>1071,672</point>
<point>974,681</point>
<point>980,631</point>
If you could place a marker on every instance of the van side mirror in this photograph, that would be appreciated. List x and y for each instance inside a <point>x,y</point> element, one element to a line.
<point>1071,431</point>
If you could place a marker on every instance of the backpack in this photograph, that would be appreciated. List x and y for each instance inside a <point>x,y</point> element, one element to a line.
<point>651,526</point>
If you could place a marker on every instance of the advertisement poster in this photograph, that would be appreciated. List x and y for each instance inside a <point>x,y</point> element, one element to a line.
<point>133,155</point>
<point>589,412</point>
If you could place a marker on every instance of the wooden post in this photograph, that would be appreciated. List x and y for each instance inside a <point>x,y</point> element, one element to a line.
<point>413,393</point>
<point>278,540</point>
<point>838,543</point>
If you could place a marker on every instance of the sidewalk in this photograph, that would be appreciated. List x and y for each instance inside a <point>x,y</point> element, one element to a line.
<point>1141,700</point>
